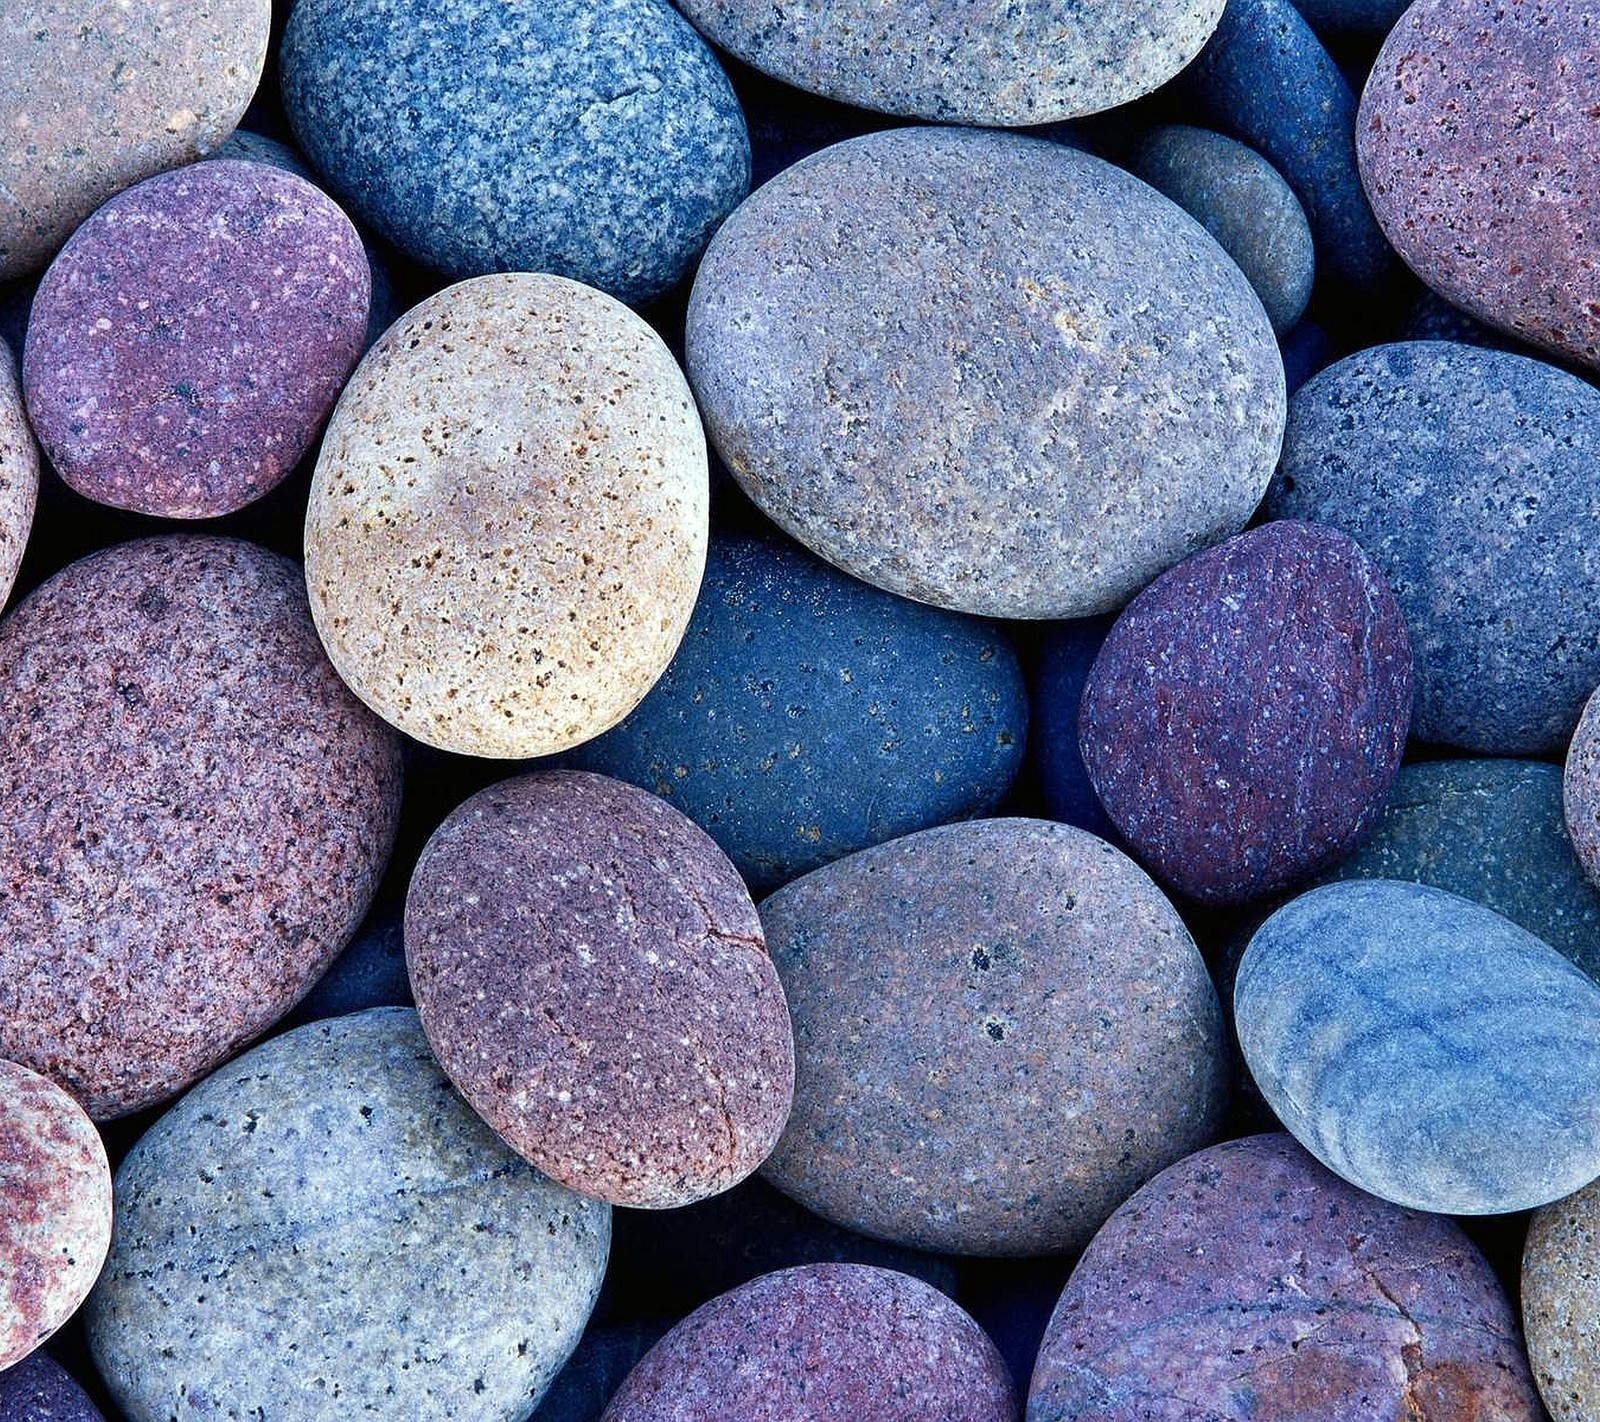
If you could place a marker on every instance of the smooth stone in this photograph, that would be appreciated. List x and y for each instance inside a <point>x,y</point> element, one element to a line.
<point>901,346</point>
<point>508,519</point>
<point>1352,19</point>
<point>1250,1278</point>
<point>599,141</point>
<point>1581,790</point>
<point>19,474</point>
<point>55,1211</point>
<point>596,1369</point>
<point>189,341</point>
<point>1423,1047</point>
<point>1242,201</point>
<point>39,1389</point>
<point>1472,479</point>
<point>1432,318</point>
<point>1059,675</point>
<point>328,1209</point>
<point>94,99</point>
<point>197,815</point>
<point>1477,147</point>
<point>659,1066</point>
<point>1561,1303</point>
<point>829,1342</point>
<point>1247,714</point>
<point>807,715</point>
<point>1001,1029</point>
<point>371,972</point>
<point>1306,350</point>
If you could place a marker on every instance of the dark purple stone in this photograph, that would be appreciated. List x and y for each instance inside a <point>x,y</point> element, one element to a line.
<point>39,1389</point>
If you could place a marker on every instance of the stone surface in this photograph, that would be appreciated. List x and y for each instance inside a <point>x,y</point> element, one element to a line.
<point>829,1342</point>
<point>807,715</point>
<point>371,972</point>
<point>1477,145</point>
<point>189,341</point>
<point>507,524</point>
<point>92,99</point>
<point>328,1209</point>
<point>1246,716</point>
<point>39,1389</point>
<point>197,814</point>
<point>1248,1282</point>
<point>55,1212</point>
<point>1057,683</point>
<point>903,348</point>
<point>592,977</point>
<point>1001,1029</point>
<point>599,141</point>
<point>1561,1302</point>
<point>1472,479</point>
<point>603,1358</point>
<point>1423,1047</point>
<point>1581,790</point>
<point>19,474</point>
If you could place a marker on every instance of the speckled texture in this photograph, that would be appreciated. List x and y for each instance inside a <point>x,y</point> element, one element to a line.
<point>328,1209</point>
<point>1478,148</point>
<point>1472,479</point>
<point>1242,201</point>
<point>1423,1047</point>
<point>983,371</point>
<point>1561,1304</point>
<point>55,1210</point>
<point>1001,1029</point>
<point>188,342</point>
<point>1581,789</point>
<point>197,814</point>
<point>38,1389</point>
<point>19,474</point>
<point>592,976</point>
<point>1059,675</point>
<point>1247,714</point>
<point>597,139</point>
<point>807,715</point>
<point>95,97</point>
<point>1248,1282</point>
<point>829,1343</point>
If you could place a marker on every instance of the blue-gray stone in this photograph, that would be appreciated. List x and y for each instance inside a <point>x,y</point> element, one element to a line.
<point>1056,694</point>
<point>1368,19</point>
<point>371,972</point>
<point>604,1357</point>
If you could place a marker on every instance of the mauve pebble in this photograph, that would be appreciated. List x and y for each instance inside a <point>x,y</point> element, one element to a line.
<point>1001,1029</point>
<point>1561,1304</point>
<point>55,1211</point>
<point>94,98</point>
<point>188,342</point>
<point>322,1230</point>
<point>39,1389</point>
<point>827,1343</point>
<point>197,814</point>
<point>591,973</point>
<point>1478,148</point>
<point>1247,714</point>
<point>1248,1282</point>
<point>19,474</point>
<point>1581,789</point>
<point>508,519</point>
<point>983,371</point>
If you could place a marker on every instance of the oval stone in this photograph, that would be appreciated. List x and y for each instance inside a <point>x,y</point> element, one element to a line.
<point>19,474</point>
<point>904,348</point>
<point>1560,1302</point>
<point>1581,789</point>
<point>39,1389</point>
<point>1423,1047</point>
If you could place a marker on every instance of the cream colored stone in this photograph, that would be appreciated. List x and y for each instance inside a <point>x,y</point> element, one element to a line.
<point>19,474</point>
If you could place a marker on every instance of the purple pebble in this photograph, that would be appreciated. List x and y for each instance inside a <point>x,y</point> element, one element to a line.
<point>39,1389</point>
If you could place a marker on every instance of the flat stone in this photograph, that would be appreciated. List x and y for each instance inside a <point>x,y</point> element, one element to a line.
<point>19,474</point>
<point>39,1389</point>
<point>1561,1301</point>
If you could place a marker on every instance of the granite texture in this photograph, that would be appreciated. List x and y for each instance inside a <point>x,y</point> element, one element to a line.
<point>19,474</point>
<point>1581,790</point>
<point>1561,1304</point>
<point>1248,1282</point>
<point>807,715</point>
<point>39,1389</point>
<point>197,814</point>
<point>1059,675</point>
<point>1001,1029</point>
<point>508,519</point>
<point>596,139</point>
<point>1478,148</point>
<point>189,341</point>
<point>1246,716</point>
<point>982,371</point>
<point>1423,1047</point>
<point>328,1209</point>
<point>1472,479</point>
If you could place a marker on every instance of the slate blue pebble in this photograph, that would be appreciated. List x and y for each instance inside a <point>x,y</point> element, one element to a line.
<point>39,1389</point>
<point>371,972</point>
<point>1306,350</point>
<point>1062,671</point>
<point>1370,19</point>
<point>1423,1047</point>
<point>594,139</point>
<point>605,1355</point>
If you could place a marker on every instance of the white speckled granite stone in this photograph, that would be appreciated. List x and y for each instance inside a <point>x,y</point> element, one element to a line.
<point>19,474</point>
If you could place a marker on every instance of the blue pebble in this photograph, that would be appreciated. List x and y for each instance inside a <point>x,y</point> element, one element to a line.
<point>1068,651</point>
<point>605,1355</point>
<point>1368,19</point>
<point>371,972</point>
<point>1306,350</point>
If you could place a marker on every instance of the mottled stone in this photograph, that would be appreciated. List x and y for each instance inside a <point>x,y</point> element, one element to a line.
<point>1423,1047</point>
<point>189,341</point>
<point>1478,148</point>
<point>38,1389</point>
<point>983,371</point>
<point>508,519</point>
<point>323,1230</point>
<point>1561,1303</point>
<point>1581,789</point>
<point>1248,1282</point>
<point>197,814</point>
<point>829,1342</point>
<point>596,139</point>
<point>1472,479</point>
<point>1059,676</point>
<point>55,1210</point>
<point>807,715</point>
<point>1247,714</point>
<point>1001,1029</point>
<point>371,972</point>
<point>19,474</point>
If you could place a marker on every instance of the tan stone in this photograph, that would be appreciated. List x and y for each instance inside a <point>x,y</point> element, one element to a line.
<point>1561,1304</point>
<point>19,475</point>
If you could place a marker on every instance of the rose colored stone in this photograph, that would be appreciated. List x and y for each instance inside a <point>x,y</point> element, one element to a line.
<point>19,474</point>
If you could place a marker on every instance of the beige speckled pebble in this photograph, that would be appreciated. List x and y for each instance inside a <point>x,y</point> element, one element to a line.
<point>1561,1304</point>
<point>507,524</point>
<point>19,474</point>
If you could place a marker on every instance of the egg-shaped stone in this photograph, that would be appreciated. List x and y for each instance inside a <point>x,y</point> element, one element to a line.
<point>19,474</point>
<point>39,1389</point>
<point>1561,1304</point>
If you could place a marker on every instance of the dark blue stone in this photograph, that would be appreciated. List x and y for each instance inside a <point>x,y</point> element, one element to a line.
<point>1068,651</point>
<point>371,972</point>
<point>604,1356</point>
<point>38,1389</point>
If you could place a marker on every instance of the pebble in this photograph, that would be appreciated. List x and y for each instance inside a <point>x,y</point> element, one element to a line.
<point>604,1357</point>
<point>39,1389</point>
<point>1561,1301</point>
<point>19,474</point>
<point>371,972</point>
<point>1581,790</point>
<point>1059,676</point>
<point>508,520</point>
<point>901,346</point>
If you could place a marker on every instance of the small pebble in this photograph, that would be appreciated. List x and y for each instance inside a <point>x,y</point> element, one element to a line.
<point>1581,790</point>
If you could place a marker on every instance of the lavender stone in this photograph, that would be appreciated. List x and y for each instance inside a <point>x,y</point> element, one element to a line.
<point>39,1389</point>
